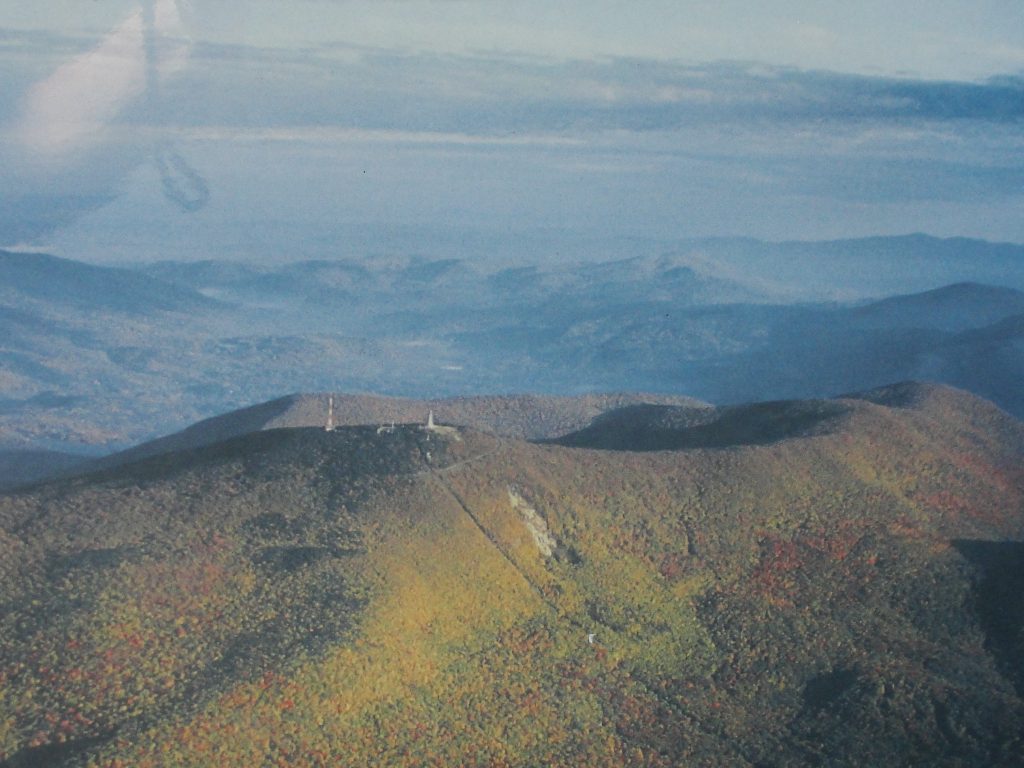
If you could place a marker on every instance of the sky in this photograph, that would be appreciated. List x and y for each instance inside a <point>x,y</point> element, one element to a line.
<point>136,131</point>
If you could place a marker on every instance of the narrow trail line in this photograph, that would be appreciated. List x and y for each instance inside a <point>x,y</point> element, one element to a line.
<point>443,482</point>
<point>497,545</point>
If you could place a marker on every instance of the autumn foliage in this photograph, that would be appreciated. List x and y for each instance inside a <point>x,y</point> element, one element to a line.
<point>302,598</point>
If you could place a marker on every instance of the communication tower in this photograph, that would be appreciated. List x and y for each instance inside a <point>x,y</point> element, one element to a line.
<point>329,427</point>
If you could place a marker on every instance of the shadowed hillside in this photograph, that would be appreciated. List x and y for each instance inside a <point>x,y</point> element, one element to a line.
<point>19,467</point>
<point>415,597</point>
<point>659,428</point>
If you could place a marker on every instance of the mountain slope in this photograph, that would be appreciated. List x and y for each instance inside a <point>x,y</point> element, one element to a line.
<point>411,597</point>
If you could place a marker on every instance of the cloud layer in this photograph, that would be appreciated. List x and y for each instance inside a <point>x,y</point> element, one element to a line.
<point>286,138</point>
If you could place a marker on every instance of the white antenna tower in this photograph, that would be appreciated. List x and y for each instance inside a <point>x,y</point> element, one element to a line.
<point>430,419</point>
<point>330,414</point>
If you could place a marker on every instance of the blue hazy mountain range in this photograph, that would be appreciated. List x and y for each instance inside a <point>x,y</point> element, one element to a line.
<point>98,358</point>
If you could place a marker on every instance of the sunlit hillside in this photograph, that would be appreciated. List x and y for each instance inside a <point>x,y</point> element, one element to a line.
<point>842,591</point>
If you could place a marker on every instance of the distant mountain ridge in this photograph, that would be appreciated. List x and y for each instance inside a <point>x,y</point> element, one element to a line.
<point>42,278</point>
<point>954,308</point>
<point>725,321</point>
<point>706,271</point>
<point>859,268</point>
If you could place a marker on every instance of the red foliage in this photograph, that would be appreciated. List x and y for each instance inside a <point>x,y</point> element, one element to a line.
<point>770,578</point>
<point>672,566</point>
<point>985,470</point>
<point>947,502</point>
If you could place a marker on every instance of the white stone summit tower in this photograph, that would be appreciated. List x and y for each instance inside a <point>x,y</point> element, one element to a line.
<point>438,429</point>
<point>329,427</point>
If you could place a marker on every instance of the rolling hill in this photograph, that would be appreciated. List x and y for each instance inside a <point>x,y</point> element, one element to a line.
<point>528,417</point>
<point>665,427</point>
<point>827,583</point>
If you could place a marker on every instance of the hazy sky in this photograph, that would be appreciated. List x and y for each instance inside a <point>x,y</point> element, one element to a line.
<point>174,129</point>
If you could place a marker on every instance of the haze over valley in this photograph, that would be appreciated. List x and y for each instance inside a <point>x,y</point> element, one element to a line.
<point>98,358</point>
